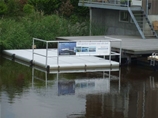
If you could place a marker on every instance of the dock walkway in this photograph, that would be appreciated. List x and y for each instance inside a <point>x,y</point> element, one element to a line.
<point>134,45</point>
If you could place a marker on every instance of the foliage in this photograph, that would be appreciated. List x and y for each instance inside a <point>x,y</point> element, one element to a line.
<point>78,10</point>
<point>28,9</point>
<point>18,34</point>
<point>79,29</point>
<point>17,28</point>
<point>98,29</point>
<point>66,8</point>
<point>13,7</point>
<point>3,8</point>
<point>14,35</point>
<point>47,6</point>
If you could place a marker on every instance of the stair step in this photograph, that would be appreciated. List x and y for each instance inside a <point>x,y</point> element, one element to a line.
<point>140,22</point>
<point>151,31</point>
<point>138,14</point>
<point>149,35</point>
<point>138,18</point>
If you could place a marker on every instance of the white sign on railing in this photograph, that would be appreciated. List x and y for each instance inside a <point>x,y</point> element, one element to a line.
<point>84,48</point>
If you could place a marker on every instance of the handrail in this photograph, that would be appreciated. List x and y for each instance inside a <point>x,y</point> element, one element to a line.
<point>106,39</point>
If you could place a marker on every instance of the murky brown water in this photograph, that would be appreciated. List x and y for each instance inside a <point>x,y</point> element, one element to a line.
<point>131,92</point>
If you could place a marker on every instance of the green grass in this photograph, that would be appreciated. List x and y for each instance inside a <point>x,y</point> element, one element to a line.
<point>17,32</point>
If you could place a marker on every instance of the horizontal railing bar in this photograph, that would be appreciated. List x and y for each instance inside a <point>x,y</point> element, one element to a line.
<point>39,39</point>
<point>104,40</point>
<point>39,54</point>
<point>115,53</point>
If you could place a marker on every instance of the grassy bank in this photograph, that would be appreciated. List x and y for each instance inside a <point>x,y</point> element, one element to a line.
<point>18,33</point>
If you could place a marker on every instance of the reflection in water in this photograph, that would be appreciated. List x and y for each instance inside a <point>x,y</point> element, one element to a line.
<point>69,95</point>
<point>89,89</point>
<point>129,93</point>
<point>84,85</point>
<point>66,87</point>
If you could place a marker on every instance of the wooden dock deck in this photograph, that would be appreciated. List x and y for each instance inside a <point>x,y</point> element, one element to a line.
<point>134,45</point>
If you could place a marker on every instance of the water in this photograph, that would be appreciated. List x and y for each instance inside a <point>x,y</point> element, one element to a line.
<point>131,92</point>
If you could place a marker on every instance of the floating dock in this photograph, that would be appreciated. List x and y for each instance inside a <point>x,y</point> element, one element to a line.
<point>65,62</point>
<point>50,59</point>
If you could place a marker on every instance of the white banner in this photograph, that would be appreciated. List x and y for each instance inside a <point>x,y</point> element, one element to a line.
<point>84,48</point>
<point>92,48</point>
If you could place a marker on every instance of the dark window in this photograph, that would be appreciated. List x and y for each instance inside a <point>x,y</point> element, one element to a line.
<point>124,16</point>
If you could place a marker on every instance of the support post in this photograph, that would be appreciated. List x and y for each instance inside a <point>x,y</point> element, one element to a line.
<point>33,43</point>
<point>90,25</point>
<point>58,55</point>
<point>147,7</point>
<point>46,54</point>
<point>120,52</point>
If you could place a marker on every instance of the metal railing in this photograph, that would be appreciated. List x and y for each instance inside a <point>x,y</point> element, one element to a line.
<point>107,39</point>
<point>47,47</point>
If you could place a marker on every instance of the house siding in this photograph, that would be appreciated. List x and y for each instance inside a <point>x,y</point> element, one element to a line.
<point>153,10</point>
<point>110,19</point>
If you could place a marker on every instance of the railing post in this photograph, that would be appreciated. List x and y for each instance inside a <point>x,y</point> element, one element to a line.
<point>110,53</point>
<point>147,1</point>
<point>58,54</point>
<point>120,52</point>
<point>46,53</point>
<point>90,24</point>
<point>33,50</point>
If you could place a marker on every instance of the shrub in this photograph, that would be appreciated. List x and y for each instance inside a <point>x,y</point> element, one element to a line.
<point>66,8</point>
<point>19,34</point>
<point>47,6</point>
<point>3,8</point>
<point>28,9</point>
<point>14,8</point>
<point>14,35</point>
<point>98,29</point>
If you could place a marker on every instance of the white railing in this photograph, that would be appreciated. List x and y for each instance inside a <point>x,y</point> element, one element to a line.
<point>47,47</point>
<point>106,39</point>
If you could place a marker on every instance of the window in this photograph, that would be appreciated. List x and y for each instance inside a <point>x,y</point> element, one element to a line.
<point>124,16</point>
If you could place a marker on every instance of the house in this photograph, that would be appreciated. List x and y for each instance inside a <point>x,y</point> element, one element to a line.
<point>124,17</point>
